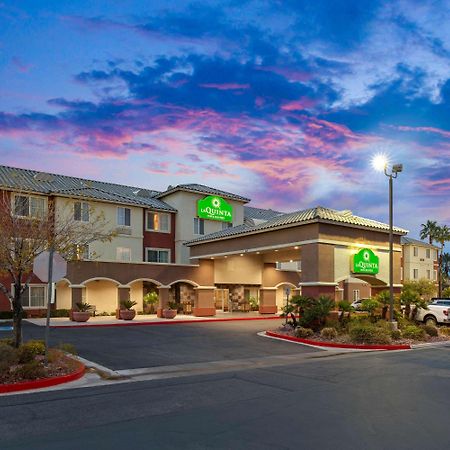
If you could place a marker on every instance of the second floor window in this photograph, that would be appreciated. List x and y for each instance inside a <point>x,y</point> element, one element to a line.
<point>124,217</point>
<point>199,226</point>
<point>157,221</point>
<point>158,255</point>
<point>428,253</point>
<point>416,251</point>
<point>81,211</point>
<point>123,254</point>
<point>27,206</point>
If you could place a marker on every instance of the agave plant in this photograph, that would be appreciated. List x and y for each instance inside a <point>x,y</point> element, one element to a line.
<point>83,307</point>
<point>128,304</point>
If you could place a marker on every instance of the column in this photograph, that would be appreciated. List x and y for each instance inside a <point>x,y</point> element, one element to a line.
<point>122,296</point>
<point>268,300</point>
<point>163,297</point>
<point>204,301</point>
<point>78,295</point>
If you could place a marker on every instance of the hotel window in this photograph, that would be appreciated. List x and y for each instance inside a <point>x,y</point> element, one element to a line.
<point>27,206</point>
<point>157,255</point>
<point>415,274</point>
<point>199,226</point>
<point>157,221</point>
<point>226,225</point>
<point>81,211</point>
<point>416,251</point>
<point>356,295</point>
<point>428,253</point>
<point>124,217</point>
<point>429,274</point>
<point>435,275</point>
<point>34,297</point>
<point>123,254</point>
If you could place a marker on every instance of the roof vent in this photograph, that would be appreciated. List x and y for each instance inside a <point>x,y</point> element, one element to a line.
<point>346,213</point>
<point>41,176</point>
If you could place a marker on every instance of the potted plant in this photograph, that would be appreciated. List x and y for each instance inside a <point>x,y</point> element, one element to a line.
<point>150,301</point>
<point>171,311</point>
<point>83,314</point>
<point>126,313</point>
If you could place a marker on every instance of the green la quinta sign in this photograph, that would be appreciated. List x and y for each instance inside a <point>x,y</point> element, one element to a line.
<point>365,261</point>
<point>215,208</point>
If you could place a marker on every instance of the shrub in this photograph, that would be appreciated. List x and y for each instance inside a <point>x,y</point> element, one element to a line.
<point>445,331</point>
<point>302,332</point>
<point>128,304</point>
<point>7,341</point>
<point>430,330</point>
<point>369,334</point>
<point>8,357</point>
<point>328,333</point>
<point>30,371</point>
<point>396,334</point>
<point>414,332</point>
<point>27,352</point>
<point>59,313</point>
<point>370,305</point>
<point>68,348</point>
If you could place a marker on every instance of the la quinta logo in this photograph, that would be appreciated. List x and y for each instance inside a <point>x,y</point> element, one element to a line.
<point>215,208</point>
<point>365,261</point>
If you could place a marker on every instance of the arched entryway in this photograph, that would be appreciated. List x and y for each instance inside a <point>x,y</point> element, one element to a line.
<point>182,293</point>
<point>103,294</point>
<point>281,294</point>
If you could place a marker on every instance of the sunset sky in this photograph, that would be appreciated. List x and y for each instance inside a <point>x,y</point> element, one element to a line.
<point>285,101</point>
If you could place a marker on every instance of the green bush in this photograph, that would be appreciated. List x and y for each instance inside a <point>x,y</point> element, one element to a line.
<point>396,334</point>
<point>329,333</point>
<point>414,332</point>
<point>27,352</point>
<point>30,371</point>
<point>8,357</point>
<point>7,341</point>
<point>369,334</point>
<point>59,313</point>
<point>430,330</point>
<point>302,332</point>
<point>68,348</point>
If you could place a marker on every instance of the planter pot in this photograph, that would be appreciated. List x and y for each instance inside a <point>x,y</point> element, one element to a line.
<point>80,316</point>
<point>169,313</point>
<point>127,314</point>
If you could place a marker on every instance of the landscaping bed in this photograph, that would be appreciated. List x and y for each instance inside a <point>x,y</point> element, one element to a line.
<point>26,366</point>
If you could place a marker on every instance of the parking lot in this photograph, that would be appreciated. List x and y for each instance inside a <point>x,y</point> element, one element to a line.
<point>150,346</point>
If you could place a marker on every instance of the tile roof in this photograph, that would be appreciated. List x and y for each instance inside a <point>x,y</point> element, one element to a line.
<point>410,241</point>
<point>295,218</point>
<point>260,213</point>
<point>48,183</point>
<point>202,189</point>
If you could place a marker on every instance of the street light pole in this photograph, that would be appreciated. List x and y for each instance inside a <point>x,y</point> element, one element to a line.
<point>396,169</point>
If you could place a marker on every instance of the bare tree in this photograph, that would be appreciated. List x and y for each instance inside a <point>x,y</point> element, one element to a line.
<point>27,228</point>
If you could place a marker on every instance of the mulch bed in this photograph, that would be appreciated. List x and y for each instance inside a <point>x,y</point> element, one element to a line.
<point>345,339</point>
<point>59,364</point>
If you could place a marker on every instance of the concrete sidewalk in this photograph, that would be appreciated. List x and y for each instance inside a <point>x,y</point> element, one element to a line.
<point>151,319</point>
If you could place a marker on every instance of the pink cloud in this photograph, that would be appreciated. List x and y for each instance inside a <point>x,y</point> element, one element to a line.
<point>298,105</point>
<point>439,131</point>
<point>225,86</point>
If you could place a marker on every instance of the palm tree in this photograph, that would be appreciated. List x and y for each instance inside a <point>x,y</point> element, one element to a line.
<point>442,235</point>
<point>446,264</point>
<point>429,230</point>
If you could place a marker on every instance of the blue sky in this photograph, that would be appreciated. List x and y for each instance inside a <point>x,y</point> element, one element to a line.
<point>282,101</point>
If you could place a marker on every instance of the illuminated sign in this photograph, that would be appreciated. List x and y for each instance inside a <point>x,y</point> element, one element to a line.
<point>215,208</point>
<point>365,261</point>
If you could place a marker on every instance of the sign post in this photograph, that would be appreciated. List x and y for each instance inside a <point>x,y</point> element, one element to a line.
<point>49,267</point>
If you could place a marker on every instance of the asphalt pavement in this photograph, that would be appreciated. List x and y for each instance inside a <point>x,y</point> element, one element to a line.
<point>378,400</point>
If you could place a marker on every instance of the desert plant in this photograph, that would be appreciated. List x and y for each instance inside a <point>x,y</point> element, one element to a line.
<point>173,305</point>
<point>344,307</point>
<point>30,371</point>
<point>384,299</point>
<point>302,332</point>
<point>414,332</point>
<point>370,305</point>
<point>83,306</point>
<point>127,304</point>
<point>446,292</point>
<point>8,356</point>
<point>328,333</point>
<point>253,302</point>
<point>396,334</point>
<point>369,334</point>
<point>445,331</point>
<point>430,330</point>
<point>28,351</point>
<point>68,348</point>
<point>150,300</point>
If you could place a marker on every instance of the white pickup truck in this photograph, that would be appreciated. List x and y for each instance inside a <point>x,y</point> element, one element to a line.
<point>438,312</point>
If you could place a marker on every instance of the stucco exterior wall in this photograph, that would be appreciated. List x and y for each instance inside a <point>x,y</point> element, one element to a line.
<point>102,294</point>
<point>238,270</point>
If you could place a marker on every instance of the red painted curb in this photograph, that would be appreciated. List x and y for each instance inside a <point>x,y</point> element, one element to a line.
<point>45,382</point>
<point>337,345</point>
<point>169,322</point>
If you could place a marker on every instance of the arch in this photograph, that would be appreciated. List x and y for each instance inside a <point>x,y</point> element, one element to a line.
<point>288,283</point>
<point>370,279</point>
<point>192,283</point>
<point>65,280</point>
<point>100,279</point>
<point>149,280</point>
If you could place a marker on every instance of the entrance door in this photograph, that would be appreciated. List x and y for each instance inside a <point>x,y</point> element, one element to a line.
<point>221,299</point>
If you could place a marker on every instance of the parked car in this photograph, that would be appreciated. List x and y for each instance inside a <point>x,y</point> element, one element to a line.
<point>438,312</point>
<point>357,304</point>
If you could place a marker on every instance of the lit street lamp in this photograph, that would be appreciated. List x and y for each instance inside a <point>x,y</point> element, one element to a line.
<point>381,163</point>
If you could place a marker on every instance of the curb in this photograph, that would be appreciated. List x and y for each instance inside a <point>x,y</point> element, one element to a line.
<point>337,345</point>
<point>45,382</point>
<point>169,322</point>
